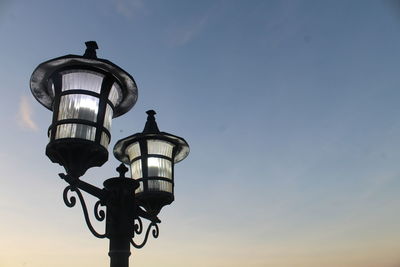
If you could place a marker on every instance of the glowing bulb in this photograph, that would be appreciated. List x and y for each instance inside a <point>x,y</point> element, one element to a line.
<point>159,167</point>
<point>88,102</point>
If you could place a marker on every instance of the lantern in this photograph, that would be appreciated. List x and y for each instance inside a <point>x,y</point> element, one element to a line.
<point>84,93</point>
<point>151,156</point>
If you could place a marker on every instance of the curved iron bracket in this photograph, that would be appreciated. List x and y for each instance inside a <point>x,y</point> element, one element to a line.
<point>99,214</point>
<point>71,201</point>
<point>138,228</point>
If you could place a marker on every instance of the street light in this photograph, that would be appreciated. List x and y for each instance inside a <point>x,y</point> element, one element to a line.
<point>151,155</point>
<point>85,93</point>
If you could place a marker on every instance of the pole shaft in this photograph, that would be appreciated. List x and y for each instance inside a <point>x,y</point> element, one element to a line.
<point>119,252</point>
<point>120,219</point>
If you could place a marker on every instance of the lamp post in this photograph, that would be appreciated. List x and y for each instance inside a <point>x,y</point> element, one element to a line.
<point>85,93</point>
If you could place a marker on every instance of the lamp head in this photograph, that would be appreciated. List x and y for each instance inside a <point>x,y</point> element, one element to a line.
<point>151,155</point>
<point>84,93</point>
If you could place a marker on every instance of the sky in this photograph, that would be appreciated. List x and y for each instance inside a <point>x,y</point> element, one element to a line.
<point>291,110</point>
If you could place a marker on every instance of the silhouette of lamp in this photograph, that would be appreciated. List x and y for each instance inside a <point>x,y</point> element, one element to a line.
<point>85,93</point>
<point>151,155</point>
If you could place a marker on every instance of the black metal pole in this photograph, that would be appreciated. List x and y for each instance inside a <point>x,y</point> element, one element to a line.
<point>119,252</point>
<point>120,219</point>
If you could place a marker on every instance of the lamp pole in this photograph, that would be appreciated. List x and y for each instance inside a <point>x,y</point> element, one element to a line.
<point>85,93</point>
<point>120,218</point>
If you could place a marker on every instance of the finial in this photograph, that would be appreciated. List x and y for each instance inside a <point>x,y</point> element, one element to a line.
<point>151,112</point>
<point>122,169</point>
<point>151,124</point>
<point>91,47</point>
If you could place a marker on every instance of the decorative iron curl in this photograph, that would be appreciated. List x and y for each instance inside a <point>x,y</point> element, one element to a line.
<point>155,232</point>
<point>71,201</point>
<point>99,214</point>
<point>138,226</point>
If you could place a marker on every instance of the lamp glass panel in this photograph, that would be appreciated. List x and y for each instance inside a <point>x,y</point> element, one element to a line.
<point>158,167</point>
<point>108,117</point>
<point>159,185</point>
<point>104,141</point>
<point>140,188</point>
<point>74,130</point>
<point>82,79</point>
<point>136,169</point>
<point>78,106</point>
<point>115,95</point>
<point>159,147</point>
<point>51,88</point>
<point>133,151</point>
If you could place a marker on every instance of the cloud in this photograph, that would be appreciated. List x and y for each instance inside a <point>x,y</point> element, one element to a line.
<point>25,113</point>
<point>129,8</point>
<point>180,36</point>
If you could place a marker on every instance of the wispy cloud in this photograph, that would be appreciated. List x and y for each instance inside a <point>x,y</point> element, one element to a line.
<point>129,8</point>
<point>182,35</point>
<point>25,113</point>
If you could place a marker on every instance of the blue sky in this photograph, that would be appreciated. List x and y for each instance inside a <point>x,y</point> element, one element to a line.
<point>290,108</point>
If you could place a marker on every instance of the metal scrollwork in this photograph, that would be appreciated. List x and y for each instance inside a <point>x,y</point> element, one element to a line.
<point>155,232</point>
<point>138,226</point>
<point>99,214</point>
<point>71,201</point>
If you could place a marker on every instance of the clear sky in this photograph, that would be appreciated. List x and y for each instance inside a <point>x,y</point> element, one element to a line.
<point>291,109</point>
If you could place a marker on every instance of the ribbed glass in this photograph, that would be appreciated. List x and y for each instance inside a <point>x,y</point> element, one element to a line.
<point>157,167</point>
<point>82,79</point>
<point>52,88</point>
<point>108,117</point>
<point>77,106</point>
<point>104,141</point>
<point>115,95</point>
<point>133,151</point>
<point>140,188</point>
<point>136,169</point>
<point>159,185</point>
<point>159,147</point>
<point>73,130</point>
